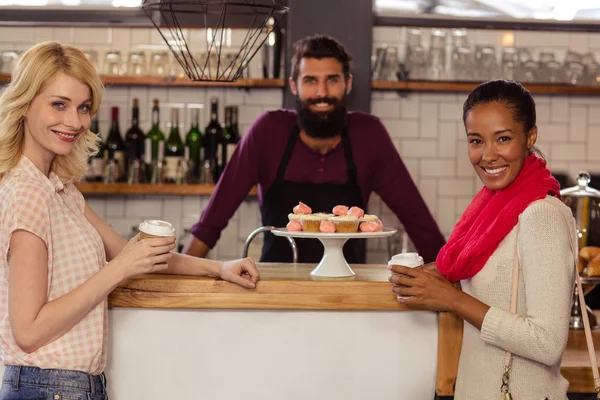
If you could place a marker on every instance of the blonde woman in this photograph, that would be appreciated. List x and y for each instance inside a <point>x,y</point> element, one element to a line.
<point>60,260</point>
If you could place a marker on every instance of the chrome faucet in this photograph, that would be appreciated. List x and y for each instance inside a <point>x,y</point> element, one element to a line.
<point>266,229</point>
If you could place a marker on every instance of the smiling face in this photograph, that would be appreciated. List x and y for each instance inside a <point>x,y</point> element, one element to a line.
<point>56,118</point>
<point>498,144</point>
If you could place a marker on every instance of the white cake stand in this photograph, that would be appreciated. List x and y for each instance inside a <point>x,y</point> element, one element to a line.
<point>333,264</point>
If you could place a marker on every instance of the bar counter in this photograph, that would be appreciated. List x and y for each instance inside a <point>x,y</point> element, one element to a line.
<point>323,332</point>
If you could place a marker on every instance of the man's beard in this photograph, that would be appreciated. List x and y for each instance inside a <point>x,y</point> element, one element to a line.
<point>321,125</point>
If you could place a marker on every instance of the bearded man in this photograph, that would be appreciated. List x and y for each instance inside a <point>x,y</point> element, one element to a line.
<point>319,154</point>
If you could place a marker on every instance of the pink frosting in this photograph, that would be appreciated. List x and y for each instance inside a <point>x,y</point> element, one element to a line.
<point>294,226</point>
<point>340,210</point>
<point>370,226</point>
<point>302,208</point>
<point>327,227</point>
<point>356,211</point>
<point>380,224</point>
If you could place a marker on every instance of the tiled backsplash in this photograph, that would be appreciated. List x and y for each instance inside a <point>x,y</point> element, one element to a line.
<point>426,128</point>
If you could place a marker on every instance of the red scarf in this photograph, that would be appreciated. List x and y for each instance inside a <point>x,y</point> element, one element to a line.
<point>490,217</point>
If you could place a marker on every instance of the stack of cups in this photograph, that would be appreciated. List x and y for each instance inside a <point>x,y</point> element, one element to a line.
<point>155,229</point>
<point>410,260</point>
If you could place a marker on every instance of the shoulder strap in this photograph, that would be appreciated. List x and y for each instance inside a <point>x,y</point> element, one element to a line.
<point>513,309</point>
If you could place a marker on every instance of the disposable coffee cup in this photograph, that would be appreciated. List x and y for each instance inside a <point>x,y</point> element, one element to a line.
<point>155,228</point>
<point>410,260</point>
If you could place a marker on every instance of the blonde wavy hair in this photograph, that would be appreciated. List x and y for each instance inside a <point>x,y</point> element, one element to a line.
<point>33,71</point>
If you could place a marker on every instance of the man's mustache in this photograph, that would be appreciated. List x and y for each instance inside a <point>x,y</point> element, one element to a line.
<point>327,100</point>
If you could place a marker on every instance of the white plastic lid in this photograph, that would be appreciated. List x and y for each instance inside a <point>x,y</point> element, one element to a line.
<point>407,259</point>
<point>157,228</point>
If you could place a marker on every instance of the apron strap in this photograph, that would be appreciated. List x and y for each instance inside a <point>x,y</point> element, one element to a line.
<point>287,154</point>
<point>350,165</point>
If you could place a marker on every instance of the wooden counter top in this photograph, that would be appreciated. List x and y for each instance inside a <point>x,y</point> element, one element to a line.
<point>281,287</point>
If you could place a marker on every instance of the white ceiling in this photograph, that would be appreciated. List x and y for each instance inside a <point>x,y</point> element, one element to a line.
<point>565,10</point>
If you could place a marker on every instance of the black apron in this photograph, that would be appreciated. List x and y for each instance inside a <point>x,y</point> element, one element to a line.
<point>283,196</point>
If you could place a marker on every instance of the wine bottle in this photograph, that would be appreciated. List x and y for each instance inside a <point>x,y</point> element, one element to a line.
<point>115,145</point>
<point>134,137</point>
<point>174,149</point>
<point>147,160</point>
<point>97,162</point>
<point>224,143</point>
<point>211,140</point>
<point>155,134</point>
<point>194,142</point>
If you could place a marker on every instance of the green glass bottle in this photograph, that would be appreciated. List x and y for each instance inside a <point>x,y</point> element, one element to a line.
<point>155,134</point>
<point>212,137</point>
<point>195,141</point>
<point>174,149</point>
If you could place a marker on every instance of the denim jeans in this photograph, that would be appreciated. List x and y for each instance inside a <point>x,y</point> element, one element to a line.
<point>31,383</point>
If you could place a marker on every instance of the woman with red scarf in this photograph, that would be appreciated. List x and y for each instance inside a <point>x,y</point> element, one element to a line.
<point>518,214</point>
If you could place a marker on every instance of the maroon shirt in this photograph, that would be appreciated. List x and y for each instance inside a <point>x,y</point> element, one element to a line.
<point>378,164</point>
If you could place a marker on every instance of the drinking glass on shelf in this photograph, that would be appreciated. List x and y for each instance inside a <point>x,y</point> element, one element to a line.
<point>486,57</point>
<point>555,72</point>
<point>112,63</point>
<point>92,56</point>
<point>462,64</point>
<point>175,68</point>
<point>438,39</point>
<point>530,72</point>
<point>510,63</point>
<point>137,65</point>
<point>390,64</point>
<point>546,56</point>
<point>9,59</point>
<point>436,62</point>
<point>588,58</point>
<point>592,74</point>
<point>414,37</point>
<point>378,60</point>
<point>416,62</point>
<point>572,57</point>
<point>574,73</point>
<point>460,38</point>
<point>159,63</point>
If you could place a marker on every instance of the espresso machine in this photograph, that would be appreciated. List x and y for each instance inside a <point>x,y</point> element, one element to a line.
<point>584,202</point>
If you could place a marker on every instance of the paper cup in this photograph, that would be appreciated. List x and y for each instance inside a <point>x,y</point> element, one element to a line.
<point>410,260</point>
<point>155,228</point>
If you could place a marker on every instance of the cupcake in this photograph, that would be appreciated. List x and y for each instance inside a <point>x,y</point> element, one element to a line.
<point>312,222</point>
<point>345,223</point>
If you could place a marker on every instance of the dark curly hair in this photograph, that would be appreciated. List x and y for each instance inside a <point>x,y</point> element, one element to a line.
<point>320,46</point>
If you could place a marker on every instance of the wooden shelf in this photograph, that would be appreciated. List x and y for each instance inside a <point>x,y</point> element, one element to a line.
<point>149,189</point>
<point>454,87</point>
<point>179,82</point>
